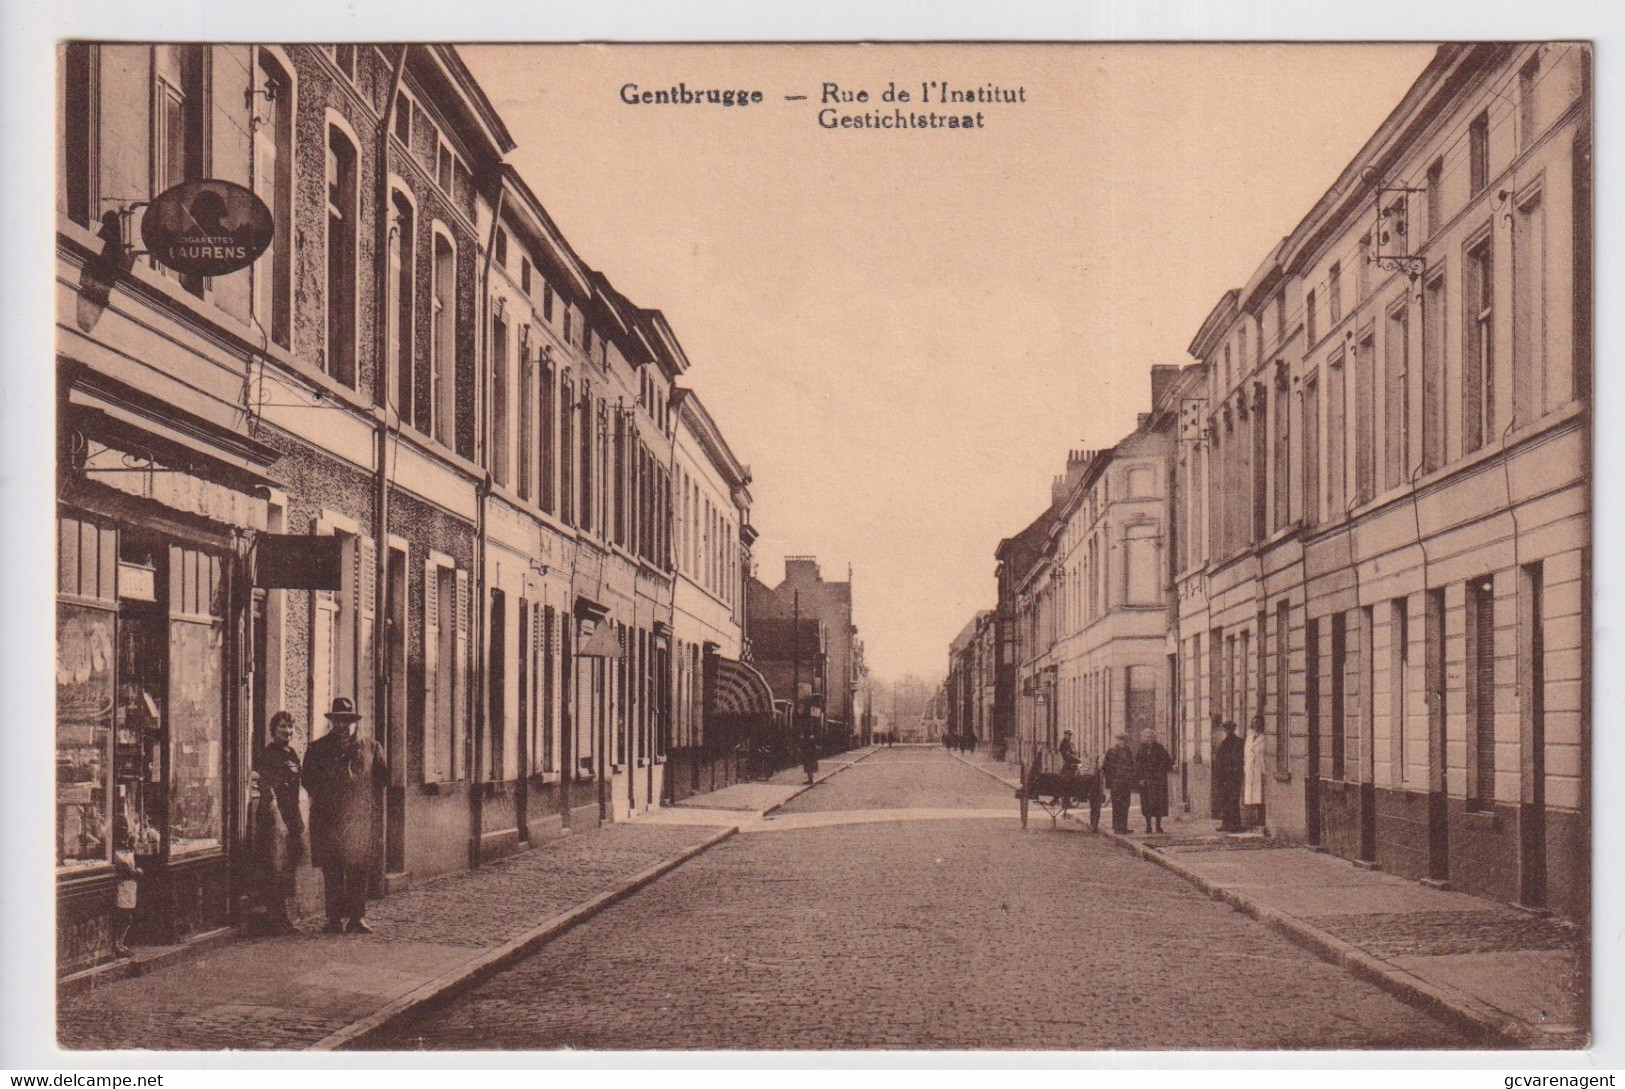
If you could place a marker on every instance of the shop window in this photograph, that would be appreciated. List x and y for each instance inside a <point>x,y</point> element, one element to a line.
<point>196,726</point>
<point>87,565</point>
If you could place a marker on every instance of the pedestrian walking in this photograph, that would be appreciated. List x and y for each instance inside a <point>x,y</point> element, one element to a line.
<point>1119,774</point>
<point>1252,793</point>
<point>809,757</point>
<point>345,775</point>
<point>1151,767</point>
<point>1229,767</point>
<point>278,826</point>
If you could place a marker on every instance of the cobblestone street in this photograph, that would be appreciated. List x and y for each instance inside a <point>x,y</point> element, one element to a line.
<point>824,927</point>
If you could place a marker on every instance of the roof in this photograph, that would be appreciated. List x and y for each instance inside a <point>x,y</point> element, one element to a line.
<point>771,639</point>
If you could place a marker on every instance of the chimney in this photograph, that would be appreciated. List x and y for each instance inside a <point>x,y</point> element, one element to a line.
<point>1162,379</point>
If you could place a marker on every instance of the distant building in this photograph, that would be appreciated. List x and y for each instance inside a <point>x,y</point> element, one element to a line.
<point>804,592</point>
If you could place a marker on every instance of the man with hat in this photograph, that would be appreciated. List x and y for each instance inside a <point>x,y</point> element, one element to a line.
<point>1118,771</point>
<point>345,775</point>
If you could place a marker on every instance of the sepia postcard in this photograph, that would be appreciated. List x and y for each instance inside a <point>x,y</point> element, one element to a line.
<point>1060,547</point>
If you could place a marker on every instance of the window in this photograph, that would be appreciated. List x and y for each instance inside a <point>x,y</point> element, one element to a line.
<point>443,169</point>
<point>547,302</point>
<point>178,120</point>
<point>500,405</point>
<point>339,359</point>
<point>77,167</point>
<point>401,321</point>
<point>502,249</point>
<point>526,407</point>
<point>1283,457</point>
<point>586,339</point>
<point>1478,347</point>
<point>403,120</point>
<point>1311,334</point>
<point>567,419</point>
<point>1340,668</point>
<point>585,520</point>
<point>1365,417</point>
<point>273,183</point>
<point>1336,430</point>
<point>1435,197</point>
<point>1280,317</point>
<point>569,312</point>
<point>1400,686</point>
<point>344,57</point>
<point>1334,294</point>
<point>1362,271</point>
<point>1283,660</point>
<point>445,654</point>
<point>195,708</point>
<point>1433,349</point>
<point>1529,362</point>
<point>443,346</point>
<point>1481,693</point>
<point>1140,573</point>
<point>1397,411</point>
<point>1478,152</point>
<point>1312,462</point>
<point>524,276</point>
<point>1258,424</point>
<point>1528,106</point>
<point>1241,350</point>
<point>547,437</point>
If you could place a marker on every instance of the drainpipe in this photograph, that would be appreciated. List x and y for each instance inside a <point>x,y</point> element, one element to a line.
<point>380,382</point>
<point>482,493</point>
<point>674,415</point>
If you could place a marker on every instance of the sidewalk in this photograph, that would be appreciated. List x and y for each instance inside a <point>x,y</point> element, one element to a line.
<point>755,800</point>
<point>1514,978</point>
<point>315,991</point>
<point>321,992</point>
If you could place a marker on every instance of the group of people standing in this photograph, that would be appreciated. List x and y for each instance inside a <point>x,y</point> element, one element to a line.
<point>959,742</point>
<point>345,775</point>
<point>1238,776</point>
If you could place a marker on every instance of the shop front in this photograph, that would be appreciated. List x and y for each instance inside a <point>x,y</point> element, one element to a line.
<point>151,752</point>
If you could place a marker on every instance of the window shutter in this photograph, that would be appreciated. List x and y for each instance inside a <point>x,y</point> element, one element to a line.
<point>366,585</point>
<point>459,707</point>
<point>434,728</point>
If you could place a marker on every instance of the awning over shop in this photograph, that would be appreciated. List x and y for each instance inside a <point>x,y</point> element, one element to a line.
<point>739,689</point>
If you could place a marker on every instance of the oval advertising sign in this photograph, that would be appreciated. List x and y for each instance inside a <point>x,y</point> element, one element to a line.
<point>206,228</point>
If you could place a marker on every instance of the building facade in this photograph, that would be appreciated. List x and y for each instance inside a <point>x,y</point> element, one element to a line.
<point>418,454</point>
<point>1386,485</point>
<point>805,593</point>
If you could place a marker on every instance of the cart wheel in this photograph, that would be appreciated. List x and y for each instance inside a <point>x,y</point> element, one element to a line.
<point>1024,812</point>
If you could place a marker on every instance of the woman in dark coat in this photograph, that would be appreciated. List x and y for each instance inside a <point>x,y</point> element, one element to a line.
<point>279,826</point>
<point>1151,767</point>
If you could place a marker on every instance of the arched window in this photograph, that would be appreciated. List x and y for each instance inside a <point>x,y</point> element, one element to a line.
<point>443,343</point>
<point>339,355</point>
<point>402,372</point>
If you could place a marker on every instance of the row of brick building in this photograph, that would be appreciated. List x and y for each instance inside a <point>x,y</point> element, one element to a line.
<point>1361,516</point>
<point>419,453</point>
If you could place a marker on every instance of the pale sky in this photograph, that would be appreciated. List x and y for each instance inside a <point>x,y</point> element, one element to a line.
<point>902,333</point>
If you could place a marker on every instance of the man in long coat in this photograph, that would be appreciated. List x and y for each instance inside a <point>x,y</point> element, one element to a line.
<point>345,775</point>
<point>1229,766</point>
<point>1151,767</point>
<point>1118,771</point>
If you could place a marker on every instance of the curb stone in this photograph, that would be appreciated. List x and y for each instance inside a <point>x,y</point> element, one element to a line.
<point>494,960</point>
<point>1476,1018</point>
<point>776,806</point>
<point>1489,1025</point>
